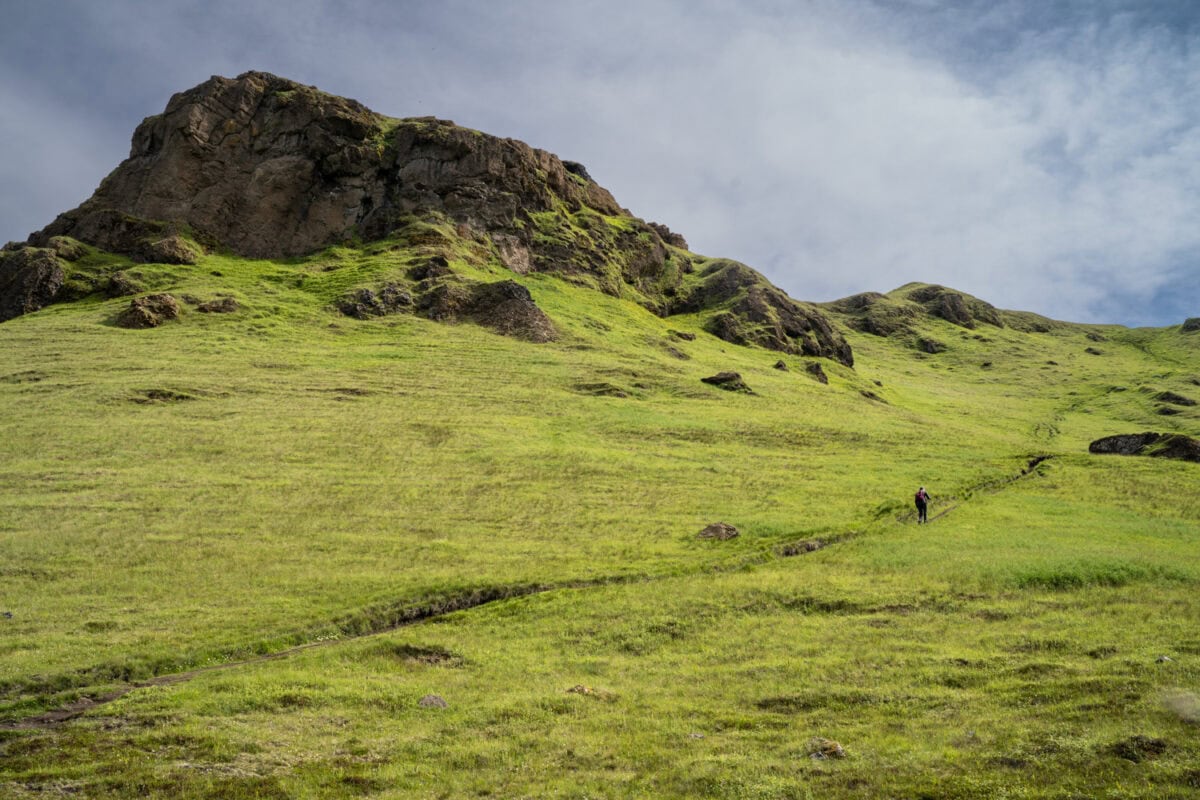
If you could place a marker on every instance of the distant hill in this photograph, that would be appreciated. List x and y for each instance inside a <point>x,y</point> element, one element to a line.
<point>263,167</point>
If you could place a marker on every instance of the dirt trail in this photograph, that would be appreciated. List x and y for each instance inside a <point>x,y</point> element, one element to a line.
<point>411,615</point>
<point>994,486</point>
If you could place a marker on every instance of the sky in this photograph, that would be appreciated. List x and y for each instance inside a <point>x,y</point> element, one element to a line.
<point>1041,155</point>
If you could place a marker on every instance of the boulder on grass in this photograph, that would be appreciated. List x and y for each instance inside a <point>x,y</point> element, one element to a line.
<point>149,311</point>
<point>720,531</point>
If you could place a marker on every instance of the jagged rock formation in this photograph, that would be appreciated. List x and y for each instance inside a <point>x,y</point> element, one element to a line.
<point>149,312</point>
<point>898,314</point>
<point>960,309</point>
<point>752,311</point>
<point>268,168</point>
<point>30,278</point>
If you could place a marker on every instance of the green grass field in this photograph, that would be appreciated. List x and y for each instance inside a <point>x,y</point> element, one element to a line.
<point>191,498</point>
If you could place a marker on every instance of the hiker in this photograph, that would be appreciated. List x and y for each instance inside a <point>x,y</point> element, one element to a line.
<point>922,505</point>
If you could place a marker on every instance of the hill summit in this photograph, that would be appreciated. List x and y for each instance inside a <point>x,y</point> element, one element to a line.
<point>263,167</point>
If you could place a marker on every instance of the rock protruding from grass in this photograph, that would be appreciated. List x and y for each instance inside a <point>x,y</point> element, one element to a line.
<point>1139,748</point>
<point>121,284</point>
<point>30,279</point>
<point>224,305</point>
<point>366,303</point>
<point>729,381</point>
<point>149,311</point>
<point>721,531</point>
<point>820,749</point>
<point>1124,444</point>
<point>751,311</point>
<point>929,345</point>
<point>432,701</point>
<point>1157,445</point>
<point>1174,399</point>
<point>1191,325</point>
<point>508,308</point>
<point>817,372</point>
<point>955,307</point>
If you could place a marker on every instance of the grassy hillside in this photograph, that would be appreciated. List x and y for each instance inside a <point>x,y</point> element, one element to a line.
<point>178,502</point>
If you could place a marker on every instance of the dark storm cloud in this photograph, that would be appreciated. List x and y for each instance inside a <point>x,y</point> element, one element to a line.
<point>1039,155</point>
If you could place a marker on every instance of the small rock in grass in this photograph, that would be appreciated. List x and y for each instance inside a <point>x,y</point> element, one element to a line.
<point>1163,660</point>
<point>588,691</point>
<point>432,701</point>
<point>729,381</point>
<point>815,370</point>
<point>781,365</point>
<point>719,530</point>
<point>821,749</point>
<point>225,305</point>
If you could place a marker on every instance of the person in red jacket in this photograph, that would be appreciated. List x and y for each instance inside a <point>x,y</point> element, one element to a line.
<point>922,505</point>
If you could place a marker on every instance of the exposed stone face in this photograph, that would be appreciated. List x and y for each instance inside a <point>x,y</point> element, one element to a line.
<point>956,308</point>
<point>760,314</point>
<point>30,278</point>
<point>270,168</point>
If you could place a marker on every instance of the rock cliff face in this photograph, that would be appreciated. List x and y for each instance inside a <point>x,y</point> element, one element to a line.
<point>268,168</point>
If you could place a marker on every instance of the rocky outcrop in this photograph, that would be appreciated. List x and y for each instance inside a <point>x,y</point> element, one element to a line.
<point>267,168</point>
<point>506,307</point>
<point>149,311</point>
<point>954,307</point>
<point>721,531</point>
<point>877,314</point>
<point>1158,445</point>
<point>751,311</point>
<point>729,381</point>
<point>1191,325</point>
<point>30,278</point>
<point>264,167</point>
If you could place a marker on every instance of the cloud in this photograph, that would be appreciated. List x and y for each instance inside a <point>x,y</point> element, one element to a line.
<point>1043,158</point>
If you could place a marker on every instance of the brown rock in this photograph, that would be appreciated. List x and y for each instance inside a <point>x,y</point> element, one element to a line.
<point>121,285</point>
<point>729,381</point>
<point>507,308</point>
<point>719,530</point>
<point>821,749</point>
<point>30,278</point>
<point>758,313</point>
<point>270,168</point>
<point>1157,445</point>
<point>149,312</point>
<point>225,305</point>
<point>814,369</point>
<point>366,303</point>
